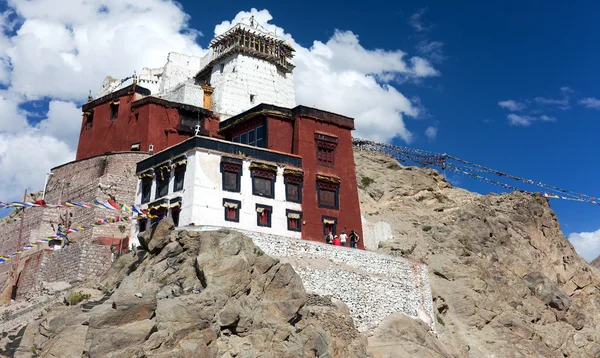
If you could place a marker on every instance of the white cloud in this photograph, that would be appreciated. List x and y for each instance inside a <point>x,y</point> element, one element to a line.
<point>590,102</point>
<point>587,244</point>
<point>512,106</point>
<point>342,76</point>
<point>567,90</point>
<point>431,132</point>
<point>432,50</point>
<point>562,103</point>
<point>57,50</point>
<point>517,120</point>
<point>416,21</point>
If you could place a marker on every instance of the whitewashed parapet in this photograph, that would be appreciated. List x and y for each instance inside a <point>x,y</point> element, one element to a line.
<point>372,285</point>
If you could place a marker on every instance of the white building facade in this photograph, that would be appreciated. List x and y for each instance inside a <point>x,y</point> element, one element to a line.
<point>245,66</point>
<point>211,182</point>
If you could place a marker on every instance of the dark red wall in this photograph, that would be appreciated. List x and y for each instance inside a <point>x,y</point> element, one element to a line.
<point>149,123</point>
<point>348,215</point>
<point>280,133</point>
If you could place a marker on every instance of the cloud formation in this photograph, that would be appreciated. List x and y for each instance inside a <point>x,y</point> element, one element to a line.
<point>53,51</point>
<point>342,76</point>
<point>587,244</point>
<point>590,102</point>
<point>518,120</point>
<point>511,105</point>
<point>431,133</point>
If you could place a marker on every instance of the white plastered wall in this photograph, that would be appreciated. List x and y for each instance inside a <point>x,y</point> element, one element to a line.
<point>239,76</point>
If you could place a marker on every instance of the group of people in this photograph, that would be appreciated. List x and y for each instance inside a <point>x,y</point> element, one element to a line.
<point>343,239</point>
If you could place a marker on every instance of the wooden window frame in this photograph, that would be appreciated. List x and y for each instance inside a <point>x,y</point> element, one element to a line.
<point>231,166</point>
<point>237,210</point>
<point>147,181</point>
<point>324,142</point>
<point>331,218</point>
<point>266,175</point>
<point>294,180</point>
<point>181,171</point>
<point>335,187</point>
<point>288,219</point>
<point>269,210</point>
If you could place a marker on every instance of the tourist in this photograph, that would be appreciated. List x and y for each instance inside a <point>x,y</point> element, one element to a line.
<point>354,239</point>
<point>343,238</point>
<point>329,238</point>
<point>336,241</point>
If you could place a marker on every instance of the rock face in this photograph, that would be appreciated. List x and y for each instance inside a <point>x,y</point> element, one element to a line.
<point>505,280</point>
<point>193,294</point>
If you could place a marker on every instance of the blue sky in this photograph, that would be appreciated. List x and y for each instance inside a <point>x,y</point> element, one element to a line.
<point>491,52</point>
<point>538,55</point>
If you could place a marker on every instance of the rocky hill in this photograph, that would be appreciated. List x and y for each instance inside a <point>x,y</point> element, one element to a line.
<point>506,281</point>
<point>596,262</point>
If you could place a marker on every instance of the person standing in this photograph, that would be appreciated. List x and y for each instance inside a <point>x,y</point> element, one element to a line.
<point>336,241</point>
<point>354,239</point>
<point>343,238</point>
<point>329,238</point>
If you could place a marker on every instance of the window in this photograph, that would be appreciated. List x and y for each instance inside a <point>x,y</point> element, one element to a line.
<point>263,215</point>
<point>232,171</point>
<point>135,147</point>
<point>162,184</point>
<point>329,225</point>
<point>175,214</point>
<point>146,189</point>
<point>89,119</point>
<point>232,209</point>
<point>328,194</point>
<point>294,219</point>
<point>114,110</point>
<point>254,137</point>
<point>262,187</point>
<point>325,156</point>
<point>326,145</point>
<point>293,188</point>
<point>252,98</point>
<point>142,225</point>
<point>188,121</point>
<point>179,176</point>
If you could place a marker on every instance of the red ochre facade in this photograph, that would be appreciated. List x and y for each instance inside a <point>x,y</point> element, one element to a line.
<point>141,119</point>
<point>146,120</point>
<point>293,131</point>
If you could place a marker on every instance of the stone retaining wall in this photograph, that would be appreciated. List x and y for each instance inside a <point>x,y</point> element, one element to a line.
<point>372,285</point>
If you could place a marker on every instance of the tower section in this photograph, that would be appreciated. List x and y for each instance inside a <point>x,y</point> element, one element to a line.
<point>248,66</point>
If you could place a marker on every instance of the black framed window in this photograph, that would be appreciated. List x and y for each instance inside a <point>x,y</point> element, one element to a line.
<point>263,215</point>
<point>251,138</point>
<point>235,139</point>
<point>175,214</point>
<point>326,145</point>
<point>244,138</point>
<point>142,225</point>
<point>293,188</point>
<point>179,177</point>
<point>328,195</point>
<point>146,190</point>
<point>232,209</point>
<point>260,142</point>
<point>294,220</point>
<point>114,110</point>
<point>162,186</point>
<point>263,179</point>
<point>231,170</point>
<point>329,225</point>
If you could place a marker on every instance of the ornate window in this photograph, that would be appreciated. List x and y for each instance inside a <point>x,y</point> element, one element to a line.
<point>232,209</point>
<point>163,174</point>
<point>294,220</point>
<point>328,192</point>
<point>263,215</point>
<point>329,225</point>
<point>263,180</point>
<point>293,185</point>
<point>231,169</point>
<point>326,146</point>
<point>180,166</point>
<point>89,119</point>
